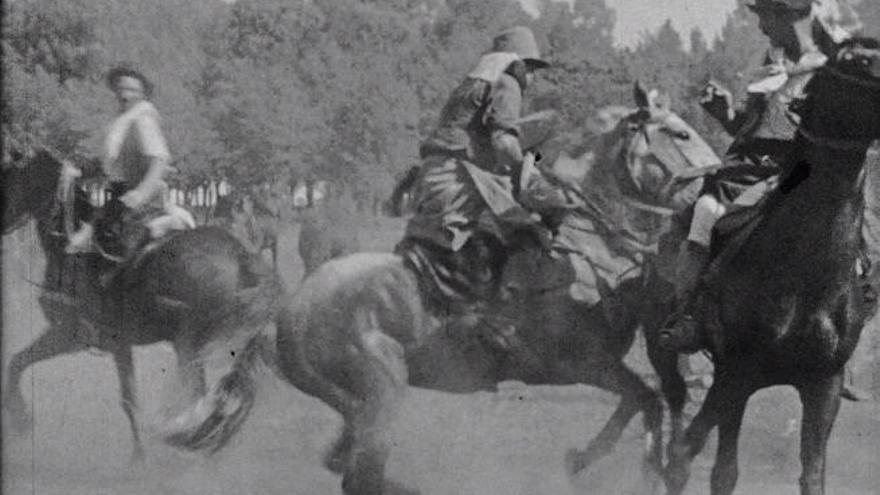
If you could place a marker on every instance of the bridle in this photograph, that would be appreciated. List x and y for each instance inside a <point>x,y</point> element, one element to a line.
<point>643,118</point>
<point>845,145</point>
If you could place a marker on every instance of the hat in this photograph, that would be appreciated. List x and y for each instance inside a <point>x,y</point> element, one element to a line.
<point>765,5</point>
<point>124,70</point>
<point>521,41</point>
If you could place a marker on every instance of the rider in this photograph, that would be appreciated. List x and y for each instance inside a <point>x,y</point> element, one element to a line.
<point>764,129</point>
<point>464,190</point>
<point>135,160</point>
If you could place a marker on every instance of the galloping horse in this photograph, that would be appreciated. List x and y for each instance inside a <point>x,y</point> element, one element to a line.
<point>195,288</point>
<point>358,332</point>
<point>785,308</point>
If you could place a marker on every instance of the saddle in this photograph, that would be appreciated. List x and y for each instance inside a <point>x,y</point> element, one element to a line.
<point>734,229</point>
<point>125,238</point>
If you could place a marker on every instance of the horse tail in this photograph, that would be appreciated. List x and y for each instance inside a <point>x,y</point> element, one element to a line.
<point>210,424</point>
<point>237,319</point>
<point>213,420</point>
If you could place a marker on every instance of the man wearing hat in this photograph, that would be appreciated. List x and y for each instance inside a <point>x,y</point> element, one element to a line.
<point>763,129</point>
<point>464,186</point>
<point>135,161</point>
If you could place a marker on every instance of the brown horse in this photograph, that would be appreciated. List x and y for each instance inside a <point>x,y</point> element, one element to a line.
<point>195,289</point>
<point>358,332</point>
<point>785,308</point>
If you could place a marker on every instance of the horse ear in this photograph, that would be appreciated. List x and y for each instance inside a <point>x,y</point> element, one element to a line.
<point>640,95</point>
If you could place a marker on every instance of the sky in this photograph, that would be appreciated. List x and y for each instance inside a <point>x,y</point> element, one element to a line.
<point>635,17</point>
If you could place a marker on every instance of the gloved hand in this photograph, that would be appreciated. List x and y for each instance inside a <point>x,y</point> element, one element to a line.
<point>718,102</point>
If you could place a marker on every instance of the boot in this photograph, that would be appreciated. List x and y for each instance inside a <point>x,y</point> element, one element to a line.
<point>680,333</point>
<point>81,240</point>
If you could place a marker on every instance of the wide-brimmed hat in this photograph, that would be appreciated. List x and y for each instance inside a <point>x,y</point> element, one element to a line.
<point>520,40</point>
<point>837,17</point>
<point>125,70</point>
<point>768,5</point>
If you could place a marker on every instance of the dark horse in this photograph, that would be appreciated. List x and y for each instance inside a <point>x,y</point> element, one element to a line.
<point>785,308</point>
<point>358,332</point>
<point>195,288</point>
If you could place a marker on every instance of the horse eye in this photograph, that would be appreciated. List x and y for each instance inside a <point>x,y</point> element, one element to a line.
<point>677,134</point>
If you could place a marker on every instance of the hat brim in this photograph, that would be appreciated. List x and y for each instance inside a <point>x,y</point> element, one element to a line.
<point>536,63</point>
<point>114,74</point>
<point>774,7</point>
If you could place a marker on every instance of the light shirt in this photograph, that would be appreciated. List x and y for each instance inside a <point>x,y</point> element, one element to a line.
<point>133,140</point>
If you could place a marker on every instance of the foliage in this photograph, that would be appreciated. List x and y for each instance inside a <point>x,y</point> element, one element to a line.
<point>343,90</point>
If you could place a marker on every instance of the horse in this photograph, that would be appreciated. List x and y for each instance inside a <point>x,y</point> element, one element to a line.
<point>789,310</point>
<point>197,289</point>
<point>358,332</point>
<point>327,231</point>
<point>252,222</point>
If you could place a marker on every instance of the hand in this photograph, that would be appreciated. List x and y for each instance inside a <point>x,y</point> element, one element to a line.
<point>768,70</point>
<point>718,101</point>
<point>69,170</point>
<point>134,199</point>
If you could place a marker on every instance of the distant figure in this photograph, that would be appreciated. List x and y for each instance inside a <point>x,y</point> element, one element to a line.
<point>256,227</point>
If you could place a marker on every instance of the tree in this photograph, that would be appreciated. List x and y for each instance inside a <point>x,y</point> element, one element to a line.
<point>56,54</point>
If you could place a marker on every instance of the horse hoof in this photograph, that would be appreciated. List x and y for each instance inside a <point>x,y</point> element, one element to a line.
<point>575,462</point>
<point>653,480</point>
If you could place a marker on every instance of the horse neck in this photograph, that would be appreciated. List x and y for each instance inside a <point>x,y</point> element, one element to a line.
<point>818,222</point>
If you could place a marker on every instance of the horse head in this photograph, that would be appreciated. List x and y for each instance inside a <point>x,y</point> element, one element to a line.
<point>651,148</point>
<point>644,153</point>
<point>842,105</point>
<point>29,188</point>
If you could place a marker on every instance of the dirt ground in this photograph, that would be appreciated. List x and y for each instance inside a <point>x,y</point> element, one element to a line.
<point>508,443</point>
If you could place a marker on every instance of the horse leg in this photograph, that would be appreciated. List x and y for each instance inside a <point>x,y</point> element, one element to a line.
<point>726,470</point>
<point>636,396</point>
<point>122,357</point>
<point>383,384</point>
<point>54,341</point>
<point>724,405</point>
<point>672,384</point>
<point>821,402</point>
